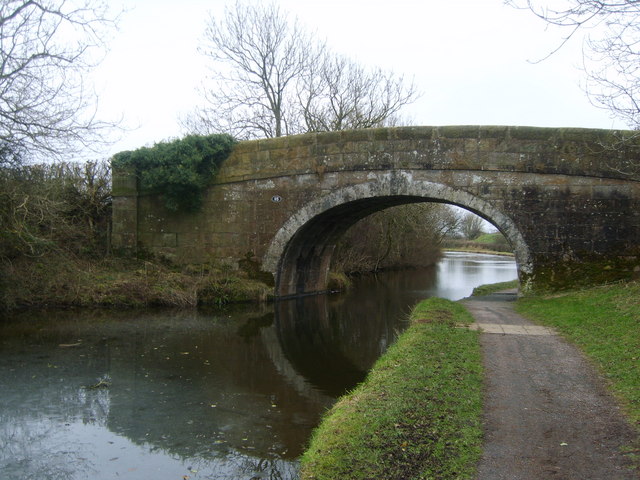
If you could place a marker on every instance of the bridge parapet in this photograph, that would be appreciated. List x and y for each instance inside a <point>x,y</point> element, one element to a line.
<point>568,151</point>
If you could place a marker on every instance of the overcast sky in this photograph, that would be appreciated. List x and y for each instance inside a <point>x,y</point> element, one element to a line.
<point>474,61</point>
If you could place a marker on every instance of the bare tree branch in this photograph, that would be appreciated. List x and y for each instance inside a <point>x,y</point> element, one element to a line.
<point>341,94</point>
<point>611,58</point>
<point>46,48</point>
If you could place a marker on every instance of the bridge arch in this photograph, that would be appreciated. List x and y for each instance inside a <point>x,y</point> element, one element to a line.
<point>299,254</point>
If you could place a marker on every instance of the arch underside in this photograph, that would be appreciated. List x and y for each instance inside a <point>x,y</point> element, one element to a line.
<point>300,254</point>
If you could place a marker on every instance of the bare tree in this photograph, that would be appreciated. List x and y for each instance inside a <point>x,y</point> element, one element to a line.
<point>46,47</point>
<point>471,226</point>
<point>273,78</point>
<point>258,55</point>
<point>611,50</point>
<point>340,94</point>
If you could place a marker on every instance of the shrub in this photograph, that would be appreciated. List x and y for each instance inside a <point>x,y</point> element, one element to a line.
<point>51,207</point>
<point>180,169</point>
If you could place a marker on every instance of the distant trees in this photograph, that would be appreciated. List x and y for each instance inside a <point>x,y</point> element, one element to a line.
<point>471,226</point>
<point>258,56</point>
<point>46,47</point>
<point>611,48</point>
<point>398,237</point>
<point>272,78</point>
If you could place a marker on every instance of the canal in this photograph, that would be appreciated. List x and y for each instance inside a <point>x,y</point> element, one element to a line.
<point>207,394</point>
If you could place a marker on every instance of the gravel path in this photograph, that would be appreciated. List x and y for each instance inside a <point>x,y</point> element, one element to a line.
<point>547,415</point>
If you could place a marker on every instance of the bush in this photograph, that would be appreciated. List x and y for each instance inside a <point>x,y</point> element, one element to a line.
<point>53,207</point>
<point>180,169</point>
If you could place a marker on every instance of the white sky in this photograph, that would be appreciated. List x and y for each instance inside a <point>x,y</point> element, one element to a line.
<point>470,58</point>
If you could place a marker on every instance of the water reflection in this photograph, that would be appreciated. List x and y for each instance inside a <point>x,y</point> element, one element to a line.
<point>218,394</point>
<point>459,273</point>
<point>182,386</point>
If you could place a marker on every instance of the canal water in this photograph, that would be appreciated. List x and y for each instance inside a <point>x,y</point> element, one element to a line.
<point>220,394</point>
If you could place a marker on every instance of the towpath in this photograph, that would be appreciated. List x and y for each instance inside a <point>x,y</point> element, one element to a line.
<point>547,414</point>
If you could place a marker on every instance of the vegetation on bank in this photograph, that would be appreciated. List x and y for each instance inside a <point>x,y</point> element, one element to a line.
<point>494,287</point>
<point>494,243</point>
<point>604,322</point>
<point>417,415</point>
<point>62,281</point>
<point>53,208</point>
<point>54,249</point>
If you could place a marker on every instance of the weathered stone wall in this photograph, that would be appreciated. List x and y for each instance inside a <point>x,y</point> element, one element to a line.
<point>567,199</point>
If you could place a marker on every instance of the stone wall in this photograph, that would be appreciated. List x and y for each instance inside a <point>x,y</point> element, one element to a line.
<point>567,199</point>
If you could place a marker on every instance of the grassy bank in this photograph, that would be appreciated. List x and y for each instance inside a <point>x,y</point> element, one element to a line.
<point>62,280</point>
<point>494,287</point>
<point>471,247</point>
<point>417,415</point>
<point>605,323</point>
<point>491,243</point>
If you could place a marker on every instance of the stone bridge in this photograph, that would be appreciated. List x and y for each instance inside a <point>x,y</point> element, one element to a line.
<point>568,200</point>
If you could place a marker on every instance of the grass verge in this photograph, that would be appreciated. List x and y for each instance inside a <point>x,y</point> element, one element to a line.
<point>605,323</point>
<point>477,249</point>
<point>417,415</point>
<point>493,288</point>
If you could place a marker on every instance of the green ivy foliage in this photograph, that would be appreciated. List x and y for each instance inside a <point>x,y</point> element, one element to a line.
<point>180,169</point>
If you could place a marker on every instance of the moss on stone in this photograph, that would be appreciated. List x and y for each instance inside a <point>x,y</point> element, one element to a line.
<point>560,276</point>
<point>338,282</point>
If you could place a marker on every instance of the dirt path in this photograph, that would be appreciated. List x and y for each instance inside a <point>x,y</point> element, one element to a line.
<point>547,415</point>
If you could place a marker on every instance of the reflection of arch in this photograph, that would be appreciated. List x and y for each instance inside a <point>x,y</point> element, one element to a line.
<point>300,253</point>
<point>274,347</point>
<point>319,342</point>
